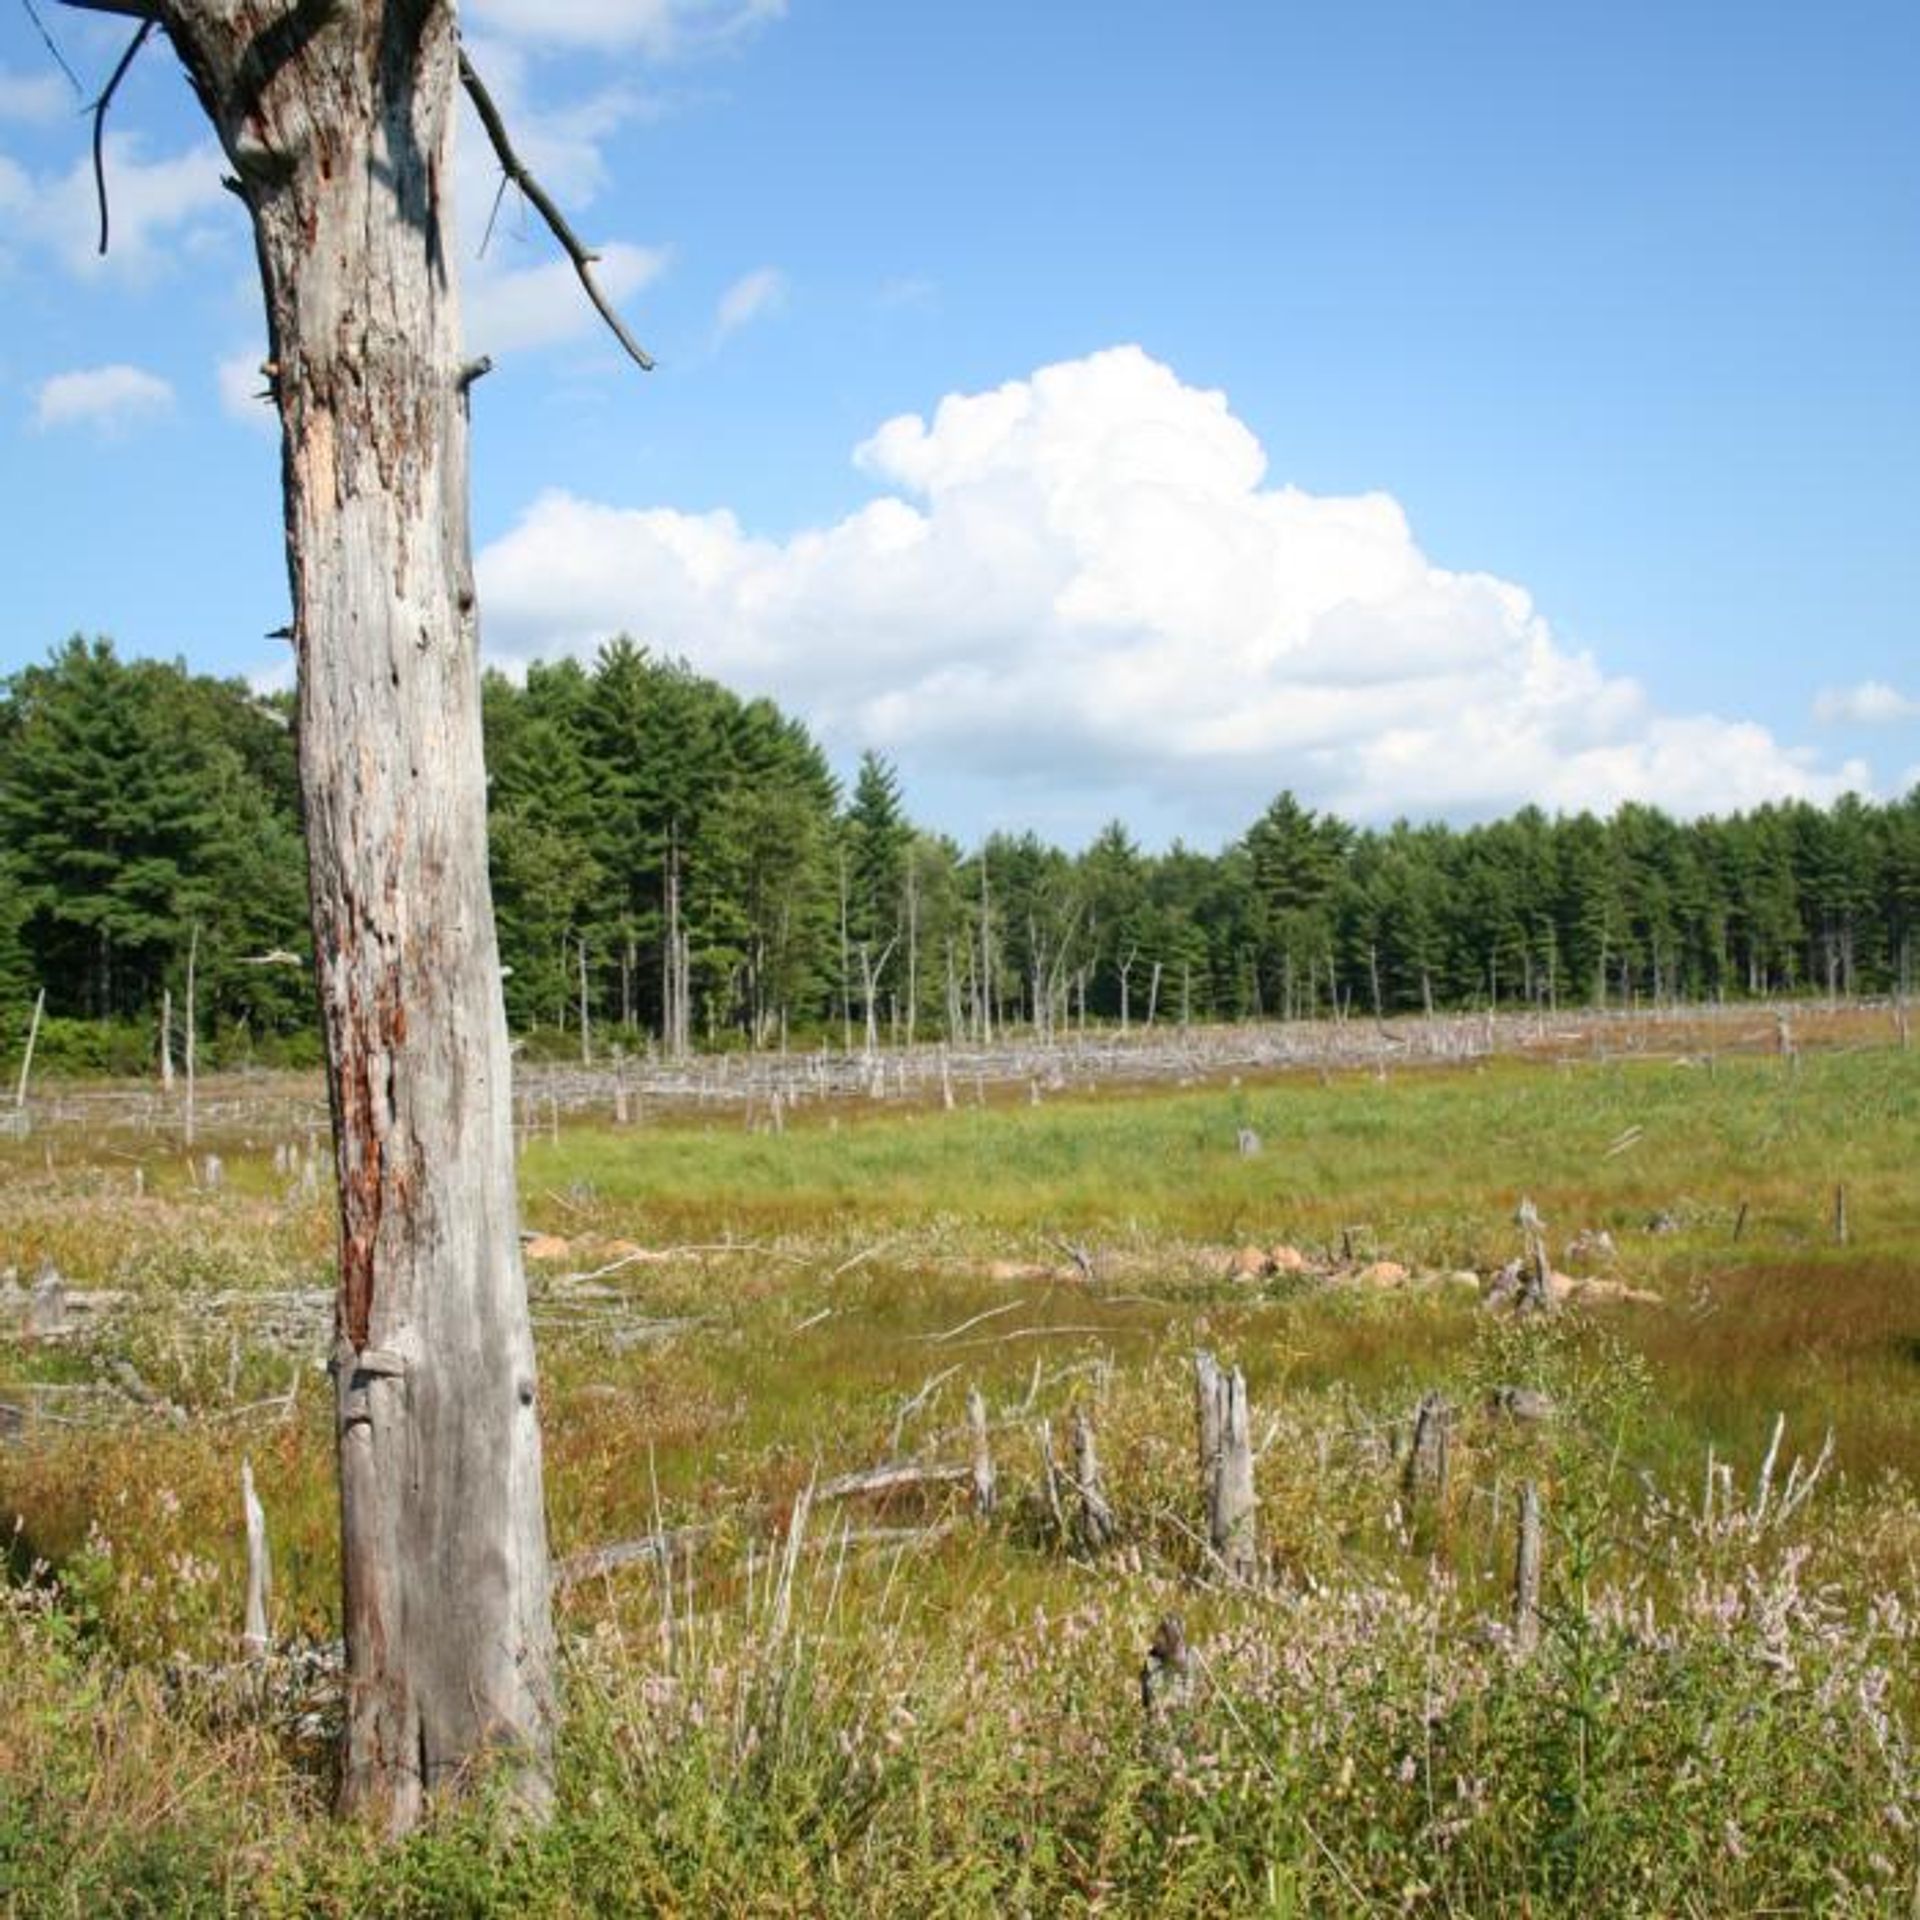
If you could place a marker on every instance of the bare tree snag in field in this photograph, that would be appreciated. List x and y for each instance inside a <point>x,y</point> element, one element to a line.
<point>1425,1476</point>
<point>1526,1574</point>
<point>1166,1674</point>
<point>1050,1479</point>
<point>1226,1466</point>
<point>192,1032</point>
<point>256,1637</point>
<point>337,117</point>
<point>1206,1398</point>
<point>1094,1524</point>
<point>26,1062</point>
<point>984,1488</point>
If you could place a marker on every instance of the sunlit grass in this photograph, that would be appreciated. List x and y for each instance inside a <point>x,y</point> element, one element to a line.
<point>820,1282</point>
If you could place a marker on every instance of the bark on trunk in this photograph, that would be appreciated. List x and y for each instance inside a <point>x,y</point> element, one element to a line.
<point>338,118</point>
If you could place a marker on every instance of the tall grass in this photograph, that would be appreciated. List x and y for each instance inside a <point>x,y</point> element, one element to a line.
<point>1719,1719</point>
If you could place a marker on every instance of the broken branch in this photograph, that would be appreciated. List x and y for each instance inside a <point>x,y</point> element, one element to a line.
<point>570,243</point>
<point>100,106</point>
<point>891,1479</point>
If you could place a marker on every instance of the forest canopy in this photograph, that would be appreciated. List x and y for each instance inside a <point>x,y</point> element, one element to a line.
<point>682,865</point>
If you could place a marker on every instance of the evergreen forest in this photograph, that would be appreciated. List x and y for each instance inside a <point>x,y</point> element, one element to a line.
<point>676,865</point>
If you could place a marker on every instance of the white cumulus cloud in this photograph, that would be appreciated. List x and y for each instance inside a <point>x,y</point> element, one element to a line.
<point>519,289</point>
<point>242,387</point>
<point>1084,582</point>
<point>159,209</point>
<point>35,98</point>
<point>108,398</point>
<point>1872,703</point>
<point>661,29</point>
<point>508,309</point>
<point>762,291</point>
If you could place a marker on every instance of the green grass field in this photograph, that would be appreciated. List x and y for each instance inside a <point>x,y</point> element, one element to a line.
<point>872,1706</point>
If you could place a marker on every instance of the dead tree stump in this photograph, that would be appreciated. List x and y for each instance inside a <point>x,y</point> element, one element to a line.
<point>47,1304</point>
<point>1094,1522</point>
<point>1536,1287</point>
<point>985,1489</point>
<point>255,1637</point>
<point>1166,1674</point>
<point>1226,1467</point>
<point>1425,1477</point>
<point>1206,1378</point>
<point>1050,1480</point>
<point>1526,1574</point>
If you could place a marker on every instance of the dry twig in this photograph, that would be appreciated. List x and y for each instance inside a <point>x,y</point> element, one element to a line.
<point>515,170</point>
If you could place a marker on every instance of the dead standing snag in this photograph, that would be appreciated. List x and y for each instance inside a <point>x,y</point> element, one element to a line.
<point>337,118</point>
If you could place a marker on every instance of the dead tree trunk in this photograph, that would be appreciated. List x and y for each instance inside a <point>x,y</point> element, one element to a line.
<point>870,973</point>
<point>953,996</point>
<point>586,1018</point>
<point>338,124</point>
<point>1124,969</point>
<point>676,1024</point>
<point>193,1025</point>
<point>26,1060</point>
<point>913,946</point>
<point>986,957</point>
<point>846,964</point>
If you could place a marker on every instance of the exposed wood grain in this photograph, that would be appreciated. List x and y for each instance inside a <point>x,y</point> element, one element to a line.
<point>337,119</point>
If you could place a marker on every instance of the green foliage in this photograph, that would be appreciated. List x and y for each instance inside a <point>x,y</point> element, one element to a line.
<point>610,784</point>
<point>878,836</point>
<point>142,807</point>
<point>144,813</point>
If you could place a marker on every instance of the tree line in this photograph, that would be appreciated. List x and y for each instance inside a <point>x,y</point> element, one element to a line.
<point>678,866</point>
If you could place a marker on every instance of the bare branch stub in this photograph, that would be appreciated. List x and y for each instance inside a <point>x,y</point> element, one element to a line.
<point>570,242</point>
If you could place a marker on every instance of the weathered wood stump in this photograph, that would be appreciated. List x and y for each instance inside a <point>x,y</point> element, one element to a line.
<point>1226,1467</point>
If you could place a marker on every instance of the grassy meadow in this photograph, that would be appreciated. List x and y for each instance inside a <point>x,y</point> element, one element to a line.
<point>803,1702</point>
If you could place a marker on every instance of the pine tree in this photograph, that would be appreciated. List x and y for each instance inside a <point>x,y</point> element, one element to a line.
<point>876,835</point>
<point>1296,856</point>
<point>138,803</point>
<point>1113,881</point>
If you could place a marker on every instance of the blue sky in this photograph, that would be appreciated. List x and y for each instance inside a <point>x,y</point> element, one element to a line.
<point>1100,408</point>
